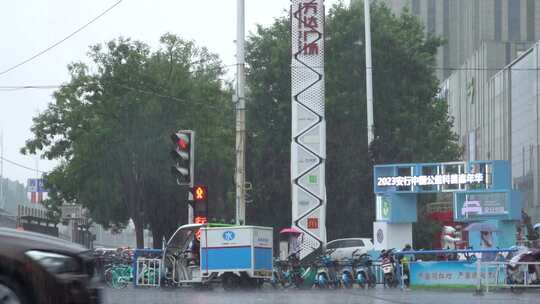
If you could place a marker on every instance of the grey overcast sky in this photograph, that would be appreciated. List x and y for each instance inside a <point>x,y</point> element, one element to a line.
<point>29,26</point>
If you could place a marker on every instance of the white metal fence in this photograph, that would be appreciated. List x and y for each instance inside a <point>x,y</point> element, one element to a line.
<point>505,274</point>
<point>148,272</point>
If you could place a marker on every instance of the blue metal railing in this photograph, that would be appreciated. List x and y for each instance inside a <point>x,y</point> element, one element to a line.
<point>449,251</point>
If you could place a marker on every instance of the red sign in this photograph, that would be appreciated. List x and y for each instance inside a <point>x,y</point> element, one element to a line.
<point>309,34</point>
<point>313,223</point>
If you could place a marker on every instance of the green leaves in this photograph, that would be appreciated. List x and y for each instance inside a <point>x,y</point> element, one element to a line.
<point>410,123</point>
<point>110,129</point>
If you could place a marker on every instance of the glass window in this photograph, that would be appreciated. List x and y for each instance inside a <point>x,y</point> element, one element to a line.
<point>352,243</point>
<point>514,20</point>
<point>333,245</point>
<point>523,125</point>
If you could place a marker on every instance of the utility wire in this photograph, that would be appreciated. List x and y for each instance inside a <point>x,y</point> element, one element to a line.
<point>144,91</point>
<point>61,41</point>
<point>56,86</point>
<point>21,166</point>
<point>27,87</point>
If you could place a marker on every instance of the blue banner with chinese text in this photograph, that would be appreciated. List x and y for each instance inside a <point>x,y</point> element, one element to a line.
<point>450,274</point>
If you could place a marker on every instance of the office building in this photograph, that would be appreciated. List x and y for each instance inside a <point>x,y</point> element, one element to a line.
<point>496,114</point>
<point>466,24</point>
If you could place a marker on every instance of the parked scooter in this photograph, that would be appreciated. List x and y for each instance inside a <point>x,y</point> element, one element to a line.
<point>279,274</point>
<point>364,271</point>
<point>347,272</point>
<point>327,276</point>
<point>288,273</point>
<point>388,265</point>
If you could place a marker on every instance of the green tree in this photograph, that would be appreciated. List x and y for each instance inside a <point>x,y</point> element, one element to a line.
<point>111,128</point>
<point>411,123</point>
<point>269,125</point>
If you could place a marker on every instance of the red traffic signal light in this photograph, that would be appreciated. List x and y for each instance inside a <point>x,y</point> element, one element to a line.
<point>183,156</point>
<point>182,141</point>
<point>183,144</point>
<point>199,193</point>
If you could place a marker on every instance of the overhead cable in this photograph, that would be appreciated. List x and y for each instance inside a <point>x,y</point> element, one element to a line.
<point>19,165</point>
<point>61,41</point>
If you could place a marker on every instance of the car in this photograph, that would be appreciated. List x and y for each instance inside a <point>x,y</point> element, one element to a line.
<point>344,248</point>
<point>471,207</point>
<point>37,268</point>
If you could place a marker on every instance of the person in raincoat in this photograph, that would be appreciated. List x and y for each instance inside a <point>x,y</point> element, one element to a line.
<point>404,261</point>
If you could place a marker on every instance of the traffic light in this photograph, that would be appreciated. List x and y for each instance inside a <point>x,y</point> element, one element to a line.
<point>200,198</point>
<point>199,193</point>
<point>200,207</point>
<point>183,155</point>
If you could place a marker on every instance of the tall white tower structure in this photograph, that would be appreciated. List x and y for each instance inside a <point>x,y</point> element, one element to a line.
<point>308,145</point>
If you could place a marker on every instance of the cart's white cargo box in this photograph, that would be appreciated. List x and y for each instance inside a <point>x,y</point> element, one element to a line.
<point>237,249</point>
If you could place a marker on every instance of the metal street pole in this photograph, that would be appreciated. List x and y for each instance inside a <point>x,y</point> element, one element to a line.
<point>192,179</point>
<point>240,179</point>
<point>369,68</point>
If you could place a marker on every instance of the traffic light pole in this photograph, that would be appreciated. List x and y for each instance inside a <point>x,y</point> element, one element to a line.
<point>240,178</point>
<point>192,182</point>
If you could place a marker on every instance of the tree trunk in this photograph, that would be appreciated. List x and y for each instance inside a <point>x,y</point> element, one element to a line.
<point>139,232</point>
<point>157,239</point>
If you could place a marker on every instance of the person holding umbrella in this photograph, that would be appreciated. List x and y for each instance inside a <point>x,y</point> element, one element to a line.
<point>486,238</point>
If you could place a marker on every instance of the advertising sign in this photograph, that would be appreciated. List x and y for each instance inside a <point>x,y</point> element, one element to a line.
<point>384,207</point>
<point>482,205</point>
<point>453,274</point>
<point>35,185</point>
<point>308,138</point>
<point>428,180</point>
<point>226,237</point>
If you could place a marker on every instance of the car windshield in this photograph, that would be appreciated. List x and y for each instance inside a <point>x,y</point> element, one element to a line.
<point>278,126</point>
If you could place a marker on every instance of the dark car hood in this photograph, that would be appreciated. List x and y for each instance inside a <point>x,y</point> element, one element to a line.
<point>23,240</point>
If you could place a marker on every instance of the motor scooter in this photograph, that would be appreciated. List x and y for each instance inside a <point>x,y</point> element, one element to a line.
<point>288,273</point>
<point>326,276</point>
<point>347,273</point>
<point>364,272</point>
<point>389,268</point>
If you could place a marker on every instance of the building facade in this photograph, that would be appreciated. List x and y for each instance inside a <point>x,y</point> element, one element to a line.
<point>489,72</point>
<point>496,114</point>
<point>467,24</point>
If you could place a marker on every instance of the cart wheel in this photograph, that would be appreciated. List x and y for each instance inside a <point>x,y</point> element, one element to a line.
<point>230,281</point>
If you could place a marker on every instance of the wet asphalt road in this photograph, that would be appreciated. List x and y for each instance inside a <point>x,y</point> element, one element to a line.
<point>267,296</point>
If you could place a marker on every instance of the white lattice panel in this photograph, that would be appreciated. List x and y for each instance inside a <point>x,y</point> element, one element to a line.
<point>308,147</point>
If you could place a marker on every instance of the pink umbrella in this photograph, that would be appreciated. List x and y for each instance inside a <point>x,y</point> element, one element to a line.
<point>290,230</point>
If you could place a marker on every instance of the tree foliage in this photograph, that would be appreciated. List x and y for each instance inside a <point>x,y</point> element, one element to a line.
<point>411,123</point>
<point>110,129</point>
